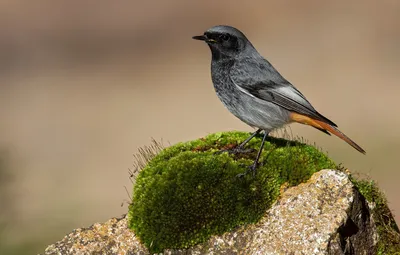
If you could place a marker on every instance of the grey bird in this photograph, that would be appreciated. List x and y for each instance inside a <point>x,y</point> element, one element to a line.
<point>255,92</point>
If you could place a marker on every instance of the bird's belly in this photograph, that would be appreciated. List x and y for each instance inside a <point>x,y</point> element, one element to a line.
<point>255,112</point>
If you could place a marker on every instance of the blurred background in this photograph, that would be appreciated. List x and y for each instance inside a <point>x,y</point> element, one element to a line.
<point>83,84</point>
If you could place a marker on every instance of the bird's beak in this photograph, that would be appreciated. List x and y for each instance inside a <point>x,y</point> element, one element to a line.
<point>204,38</point>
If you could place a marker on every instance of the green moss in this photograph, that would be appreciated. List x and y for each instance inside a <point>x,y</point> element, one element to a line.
<point>188,192</point>
<point>388,231</point>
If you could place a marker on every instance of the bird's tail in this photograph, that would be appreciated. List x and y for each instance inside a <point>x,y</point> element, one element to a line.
<point>324,127</point>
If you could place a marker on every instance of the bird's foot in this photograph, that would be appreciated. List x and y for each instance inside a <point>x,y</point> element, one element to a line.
<point>252,169</point>
<point>235,151</point>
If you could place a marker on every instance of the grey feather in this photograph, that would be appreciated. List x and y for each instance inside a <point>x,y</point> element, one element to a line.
<point>259,78</point>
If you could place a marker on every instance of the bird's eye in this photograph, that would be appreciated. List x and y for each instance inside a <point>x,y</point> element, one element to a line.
<point>225,37</point>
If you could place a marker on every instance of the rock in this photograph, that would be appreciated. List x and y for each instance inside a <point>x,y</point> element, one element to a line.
<point>110,237</point>
<point>325,215</point>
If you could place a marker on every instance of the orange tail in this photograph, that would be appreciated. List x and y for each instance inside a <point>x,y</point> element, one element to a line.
<point>324,127</point>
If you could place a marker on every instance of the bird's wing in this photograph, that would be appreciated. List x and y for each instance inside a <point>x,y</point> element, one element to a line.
<point>262,81</point>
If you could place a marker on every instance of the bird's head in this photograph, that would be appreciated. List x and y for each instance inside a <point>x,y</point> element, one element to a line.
<point>225,41</point>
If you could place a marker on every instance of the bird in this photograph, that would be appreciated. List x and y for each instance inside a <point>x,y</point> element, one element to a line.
<point>255,92</point>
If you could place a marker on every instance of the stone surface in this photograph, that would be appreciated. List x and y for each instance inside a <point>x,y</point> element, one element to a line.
<point>110,237</point>
<point>326,215</point>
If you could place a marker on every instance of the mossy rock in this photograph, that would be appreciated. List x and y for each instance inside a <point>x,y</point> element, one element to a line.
<point>388,231</point>
<point>189,192</point>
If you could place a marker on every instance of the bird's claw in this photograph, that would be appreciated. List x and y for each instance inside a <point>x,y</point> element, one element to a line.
<point>237,150</point>
<point>252,168</point>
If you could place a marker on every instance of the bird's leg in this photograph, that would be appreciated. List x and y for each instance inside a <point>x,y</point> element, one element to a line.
<point>253,167</point>
<point>240,147</point>
<point>255,164</point>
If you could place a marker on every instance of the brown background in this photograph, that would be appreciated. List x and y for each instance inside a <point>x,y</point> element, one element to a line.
<point>83,84</point>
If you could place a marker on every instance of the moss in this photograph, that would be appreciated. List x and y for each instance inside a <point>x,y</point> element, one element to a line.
<point>188,192</point>
<point>388,231</point>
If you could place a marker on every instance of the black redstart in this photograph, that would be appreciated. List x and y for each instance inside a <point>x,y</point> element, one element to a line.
<point>255,92</point>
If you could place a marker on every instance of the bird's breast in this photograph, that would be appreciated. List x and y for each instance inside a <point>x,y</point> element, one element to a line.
<point>253,111</point>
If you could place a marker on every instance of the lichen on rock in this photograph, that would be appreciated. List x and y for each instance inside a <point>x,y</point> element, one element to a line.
<point>188,192</point>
